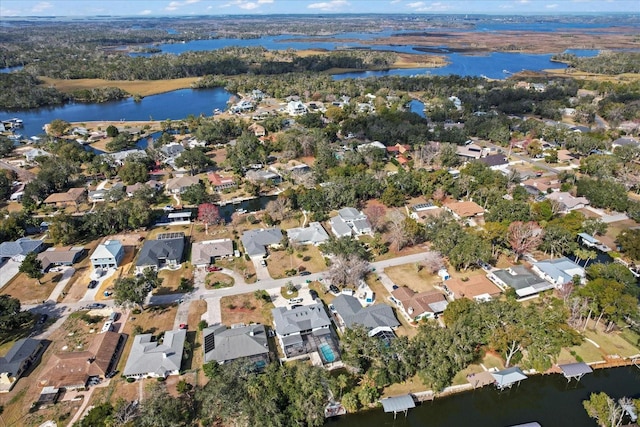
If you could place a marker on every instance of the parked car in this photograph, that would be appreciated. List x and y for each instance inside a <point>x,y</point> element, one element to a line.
<point>395,287</point>
<point>183,326</point>
<point>305,273</point>
<point>295,300</point>
<point>95,305</point>
<point>313,294</point>
<point>263,263</point>
<point>295,306</point>
<point>92,284</point>
<point>167,208</point>
<point>332,308</point>
<point>211,268</point>
<point>334,289</point>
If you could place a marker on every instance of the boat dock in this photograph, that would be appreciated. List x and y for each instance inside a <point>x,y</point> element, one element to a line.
<point>591,242</point>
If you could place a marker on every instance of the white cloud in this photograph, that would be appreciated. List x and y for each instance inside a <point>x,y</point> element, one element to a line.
<point>395,1</point>
<point>551,6</point>
<point>41,7</point>
<point>328,6</point>
<point>421,6</point>
<point>265,1</point>
<point>175,5</point>
<point>145,12</point>
<point>248,6</point>
<point>523,1</point>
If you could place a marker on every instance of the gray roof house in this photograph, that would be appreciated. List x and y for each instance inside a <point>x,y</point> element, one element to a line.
<point>314,234</point>
<point>568,202</point>
<point>60,256</point>
<point>558,271</point>
<point>372,317</point>
<point>24,353</point>
<point>255,242</point>
<point>520,278</point>
<point>179,185</point>
<point>226,345</point>
<point>292,325</point>
<point>18,249</point>
<point>150,358</point>
<point>165,251</point>
<point>351,218</point>
<point>108,254</point>
<point>205,253</point>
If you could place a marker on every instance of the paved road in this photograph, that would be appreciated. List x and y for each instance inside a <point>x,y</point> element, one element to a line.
<point>7,271</point>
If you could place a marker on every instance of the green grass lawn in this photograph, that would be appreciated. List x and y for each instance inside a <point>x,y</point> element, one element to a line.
<point>612,343</point>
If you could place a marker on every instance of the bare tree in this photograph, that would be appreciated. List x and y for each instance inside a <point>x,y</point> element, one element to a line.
<point>375,214</point>
<point>278,208</point>
<point>397,232</point>
<point>427,154</point>
<point>347,269</point>
<point>433,262</point>
<point>524,237</point>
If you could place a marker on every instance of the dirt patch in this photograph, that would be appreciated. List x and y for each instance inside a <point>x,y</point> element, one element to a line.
<point>420,280</point>
<point>245,308</point>
<point>307,258</point>
<point>216,280</point>
<point>28,291</point>
<point>171,279</point>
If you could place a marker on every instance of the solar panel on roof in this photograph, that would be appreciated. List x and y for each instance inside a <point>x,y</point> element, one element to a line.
<point>167,236</point>
<point>209,343</point>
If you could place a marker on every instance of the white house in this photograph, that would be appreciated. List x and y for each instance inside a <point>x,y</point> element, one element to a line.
<point>107,255</point>
<point>149,358</point>
<point>314,234</point>
<point>296,108</point>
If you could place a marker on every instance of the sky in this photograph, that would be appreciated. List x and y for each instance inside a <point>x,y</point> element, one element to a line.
<point>11,8</point>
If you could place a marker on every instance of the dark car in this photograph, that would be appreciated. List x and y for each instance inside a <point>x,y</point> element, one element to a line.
<point>92,284</point>
<point>95,305</point>
<point>295,306</point>
<point>305,273</point>
<point>334,289</point>
<point>313,294</point>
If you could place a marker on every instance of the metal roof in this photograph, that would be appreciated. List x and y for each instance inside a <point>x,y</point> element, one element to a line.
<point>398,403</point>
<point>508,376</point>
<point>575,369</point>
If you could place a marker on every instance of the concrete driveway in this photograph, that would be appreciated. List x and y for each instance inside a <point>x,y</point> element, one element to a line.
<point>262,273</point>
<point>303,292</point>
<point>7,271</point>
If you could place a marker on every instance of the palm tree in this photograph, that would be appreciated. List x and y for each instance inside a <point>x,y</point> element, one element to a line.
<point>585,254</point>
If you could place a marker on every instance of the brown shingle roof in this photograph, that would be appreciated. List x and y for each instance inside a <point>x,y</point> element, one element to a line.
<point>475,286</point>
<point>73,195</point>
<point>465,209</point>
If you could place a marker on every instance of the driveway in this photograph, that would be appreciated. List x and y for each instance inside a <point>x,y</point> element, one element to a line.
<point>90,295</point>
<point>67,272</point>
<point>303,292</point>
<point>262,272</point>
<point>182,315</point>
<point>7,271</point>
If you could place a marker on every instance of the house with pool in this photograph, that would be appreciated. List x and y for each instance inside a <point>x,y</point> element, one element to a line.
<point>305,332</point>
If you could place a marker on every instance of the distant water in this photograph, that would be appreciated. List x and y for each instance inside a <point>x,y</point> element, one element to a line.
<point>547,399</point>
<point>417,107</point>
<point>171,105</point>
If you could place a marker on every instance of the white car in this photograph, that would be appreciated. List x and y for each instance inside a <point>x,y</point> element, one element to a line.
<point>167,208</point>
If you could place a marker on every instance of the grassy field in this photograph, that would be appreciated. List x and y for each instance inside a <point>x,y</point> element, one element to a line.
<point>309,258</point>
<point>29,291</point>
<point>241,266</point>
<point>245,308</point>
<point>408,275</point>
<point>134,87</point>
<point>216,280</point>
<point>171,279</point>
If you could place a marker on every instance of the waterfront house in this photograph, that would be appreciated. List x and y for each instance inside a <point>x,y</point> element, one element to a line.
<point>296,326</point>
<point>24,354</point>
<point>256,242</point>
<point>20,248</point>
<point>31,155</point>
<point>258,130</point>
<point>107,255</point>
<point>421,305</point>
<point>73,369</point>
<point>179,185</point>
<point>65,256</point>
<point>205,253</point>
<point>559,271</point>
<point>314,234</point>
<point>374,318</point>
<point>152,184</point>
<point>221,183</point>
<point>120,157</point>
<point>164,251</point>
<point>260,176</point>
<point>524,281</point>
<point>72,197</point>
<point>248,343</point>
<point>151,358</point>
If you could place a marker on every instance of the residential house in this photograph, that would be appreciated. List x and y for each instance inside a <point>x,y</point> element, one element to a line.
<point>164,251</point>
<point>66,256</point>
<point>398,149</point>
<point>464,210</point>
<point>495,161</point>
<point>355,220</point>
<point>625,142</point>
<point>258,130</point>
<point>242,106</point>
<point>152,184</point>
<point>107,255</point>
<point>179,185</point>
<point>248,343</point>
<point>151,358</point>
<point>172,150</point>
<point>469,151</point>
<point>31,155</point>
<point>567,202</point>
<point>419,305</point>
<point>296,326</point>
<point>524,281</point>
<point>456,102</point>
<point>19,249</point>
<point>424,210</point>
<point>205,253</point>
<point>73,197</point>
<point>221,183</point>
<point>256,242</point>
<point>374,318</point>
<point>296,108</point>
<point>72,369</point>
<point>314,234</point>
<point>559,271</point>
<point>543,184</point>
<point>193,143</point>
<point>375,144</point>
<point>478,288</point>
<point>120,157</point>
<point>21,356</point>
<point>258,176</point>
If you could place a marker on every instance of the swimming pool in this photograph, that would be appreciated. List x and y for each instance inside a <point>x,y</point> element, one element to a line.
<point>327,352</point>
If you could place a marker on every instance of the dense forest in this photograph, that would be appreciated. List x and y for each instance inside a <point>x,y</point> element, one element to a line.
<point>605,63</point>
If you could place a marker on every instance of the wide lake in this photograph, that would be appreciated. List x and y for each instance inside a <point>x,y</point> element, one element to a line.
<point>547,399</point>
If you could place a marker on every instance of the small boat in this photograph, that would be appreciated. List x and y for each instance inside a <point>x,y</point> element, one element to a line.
<point>241,211</point>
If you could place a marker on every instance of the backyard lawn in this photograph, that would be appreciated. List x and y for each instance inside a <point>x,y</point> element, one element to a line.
<point>408,275</point>
<point>28,291</point>
<point>241,266</point>
<point>245,308</point>
<point>308,257</point>
<point>171,279</point>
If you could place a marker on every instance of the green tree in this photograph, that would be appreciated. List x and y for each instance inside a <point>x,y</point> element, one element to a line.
<point>629,241</point>
<point>133,172</point>
<point>195,159</point>
<point>606,411</point>
<point>59,127</point>
<point>160,409</point>
<point>11,318</point>
<point>130,291</point>
<point>32,267</point>
<point>196,194</point>
<point>6,146</point>
<point>112,131</point>
<point>98,416</point>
